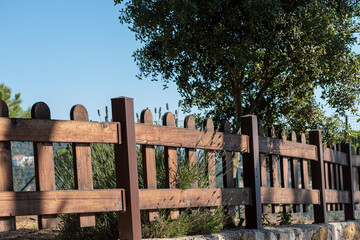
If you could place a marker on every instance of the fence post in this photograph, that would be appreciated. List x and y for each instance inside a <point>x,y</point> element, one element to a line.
<point>348,181</point>
<point>251,163</point>
<point>318,176</point>
<point>126,168</point>
<point>6,175</point>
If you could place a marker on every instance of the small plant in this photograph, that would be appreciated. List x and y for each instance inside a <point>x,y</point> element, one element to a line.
<point>285,218</point>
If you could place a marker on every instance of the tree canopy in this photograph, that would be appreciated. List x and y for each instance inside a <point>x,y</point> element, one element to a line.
<point>265,57</point>
<point>13,104</point>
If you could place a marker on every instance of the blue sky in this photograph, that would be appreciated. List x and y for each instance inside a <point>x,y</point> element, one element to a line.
<point>70,52</point>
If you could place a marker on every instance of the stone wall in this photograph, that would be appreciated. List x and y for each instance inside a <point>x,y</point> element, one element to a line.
<point>349,230</point>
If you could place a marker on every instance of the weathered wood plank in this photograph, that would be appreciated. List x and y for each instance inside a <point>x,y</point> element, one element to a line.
<point>41,130</point>
<point>56,202</point>
<point>333,156</point>
<point>171,166</point>
<point>126,168</point>
<point>317,173</point>
<point>294,172</point>
<point>210,155</point>
<point>82,165</point>
<point>287,148</point>
<point>289,196</point>
<point>190,153</point>
<point>304,173</point>
<point>284,170</point>
<point>6,173</point>
<point>149,164</point>
<point>189,138</point>
<point>44,165</point>
<point>274,178</point>
<point>356,160</point>
<point>201,197</point>
<point>263,172</point>
<point>337,196</point>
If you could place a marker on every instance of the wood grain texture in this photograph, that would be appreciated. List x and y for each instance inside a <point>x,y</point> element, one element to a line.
<point>41,130</point>
<point>274,178</point>
<point>188,138</point>
<point>333,156</point>
<point>210,155</point>
<point>335,196</point>
<point>251,162</point>
<point>284,170</point>
<point>126,168</point>
<point>201,197</point>
<point>349,208</point>
<point>56,202</point>
<point>263,171</point>
<point>149,163</point>
<point>82,165</point>
<point>171,166</point>
<point>190,153</point>
<point>304,173</point>
<point>44,165</point>
<point>318,179</point>
<point>294,172</point>
<point>6,172</point>
<point>289,196</point>
<point>287,149</point>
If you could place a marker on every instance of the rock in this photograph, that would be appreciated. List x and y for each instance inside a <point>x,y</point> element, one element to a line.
<point>352,231</point>
<point>320,234</point>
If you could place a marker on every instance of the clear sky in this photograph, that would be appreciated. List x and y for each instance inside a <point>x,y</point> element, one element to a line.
<point>69,52</point>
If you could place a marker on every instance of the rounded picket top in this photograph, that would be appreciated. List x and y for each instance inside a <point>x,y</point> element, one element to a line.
<point>146,116</point>
<point>261,130</point>
<point>189,122</point>
<point>283,135</point>
<point>272,132</point>
<point>303,138</point>
<point>40,110</point>
<point>169,119</point>
<point>225,126</point>
<point>4,110</point>
<point>79,113</point>
<point>352,150</point>
<point>208,125</point>
<point>338,147</point>
<point>293,136</point>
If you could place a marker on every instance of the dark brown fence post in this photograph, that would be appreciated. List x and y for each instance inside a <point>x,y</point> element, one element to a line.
<point>44,165</point>
<point>6,175</point>
<point>82,165</point>
<point>251,163</point>
<point>318,176</point>
<point>126,168</point>
<point>348,181</point>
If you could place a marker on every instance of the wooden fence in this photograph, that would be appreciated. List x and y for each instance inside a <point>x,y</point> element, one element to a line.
<point>301,174</point>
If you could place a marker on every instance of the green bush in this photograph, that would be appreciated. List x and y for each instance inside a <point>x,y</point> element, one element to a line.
<point>202,221</point>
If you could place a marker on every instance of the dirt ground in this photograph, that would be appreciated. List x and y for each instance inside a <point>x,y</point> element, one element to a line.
<point>26,228</point>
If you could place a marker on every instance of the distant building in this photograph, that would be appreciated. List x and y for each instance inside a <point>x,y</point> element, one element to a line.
<point>22,161</point>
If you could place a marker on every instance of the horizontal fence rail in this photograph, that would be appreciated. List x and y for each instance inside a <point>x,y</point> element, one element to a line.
<point>283,172</point>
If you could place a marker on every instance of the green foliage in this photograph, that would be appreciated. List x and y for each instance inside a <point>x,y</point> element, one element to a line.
<point>13,104</point>
<point>284,218</point>
<point>202,221</point>
<point>265,57</point>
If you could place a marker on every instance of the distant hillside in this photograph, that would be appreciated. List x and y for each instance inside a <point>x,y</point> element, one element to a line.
<point>26,148</point>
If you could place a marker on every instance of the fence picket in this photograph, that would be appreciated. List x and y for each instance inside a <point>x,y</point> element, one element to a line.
<point>274,179</point>
<point>304,172</point>
<point>82,165</point>
<point>210,155</point>
<point>171,161</point>
<point>149,164</point>
<point>284,170</point>
<point>263,173</point>
<point>44,165</point>
<point>6,174</point>
<point>348,182</point>
<point>190,153</point>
